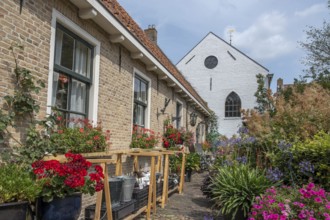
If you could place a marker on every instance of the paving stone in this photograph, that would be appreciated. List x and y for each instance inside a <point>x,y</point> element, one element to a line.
<point>191,205</point>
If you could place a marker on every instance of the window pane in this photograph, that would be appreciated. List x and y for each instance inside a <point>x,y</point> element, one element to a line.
<point>82,59</point>
<point>144,92</point>
<point>61,89</point>
<point>136,88</point>
<point>67,51</point>
<point>74,120</point>
<point>78,96</point>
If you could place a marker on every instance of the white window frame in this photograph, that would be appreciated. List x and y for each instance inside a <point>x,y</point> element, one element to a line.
<point>146,78</point>
<point>57,17</point>
<point>181,113</point>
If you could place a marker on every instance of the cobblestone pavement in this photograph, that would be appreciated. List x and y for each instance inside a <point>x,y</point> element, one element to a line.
<point>191,205</point>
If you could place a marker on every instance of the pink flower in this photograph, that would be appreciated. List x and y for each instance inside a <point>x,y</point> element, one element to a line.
<point>318,200</point>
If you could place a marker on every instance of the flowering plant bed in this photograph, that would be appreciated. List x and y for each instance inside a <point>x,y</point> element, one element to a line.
<point>62,179</point>
<point>309,202</point>
<point>78,136</point>
<point>172,137</point>
<point>144,138</point>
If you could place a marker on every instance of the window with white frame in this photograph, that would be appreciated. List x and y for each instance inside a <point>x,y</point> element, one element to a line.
<point>178,116</point>
<point>72,76</point>
<point>141,87</point>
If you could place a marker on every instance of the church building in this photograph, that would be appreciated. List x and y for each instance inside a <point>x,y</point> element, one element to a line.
<point>225,77</point>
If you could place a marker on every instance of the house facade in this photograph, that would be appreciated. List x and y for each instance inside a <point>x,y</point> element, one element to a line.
<point>225,78</point>
<point>97,63</point>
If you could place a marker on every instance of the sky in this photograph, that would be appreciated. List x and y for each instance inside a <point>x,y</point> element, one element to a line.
<point>266,30</point>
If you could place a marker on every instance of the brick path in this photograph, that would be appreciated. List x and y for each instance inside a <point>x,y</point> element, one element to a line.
<point>189,205</point>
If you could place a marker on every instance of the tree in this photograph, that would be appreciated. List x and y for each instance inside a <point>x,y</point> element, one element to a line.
<point>317,60</point>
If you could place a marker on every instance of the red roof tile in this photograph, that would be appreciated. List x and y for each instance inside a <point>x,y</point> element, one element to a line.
<point>127,21</point>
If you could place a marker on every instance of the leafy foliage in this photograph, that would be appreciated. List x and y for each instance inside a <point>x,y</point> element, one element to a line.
<point>192,162</point>
<point>21,105</point>
<point>144,138</point>
<point>297,118</point>
<point>318,53</point>
<point>236,187</point>
<point>17,184</point>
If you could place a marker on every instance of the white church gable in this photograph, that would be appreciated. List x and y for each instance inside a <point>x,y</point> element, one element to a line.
<point>216,69</point>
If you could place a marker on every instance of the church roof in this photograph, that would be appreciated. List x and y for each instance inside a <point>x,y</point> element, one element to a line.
<point>228,45</point>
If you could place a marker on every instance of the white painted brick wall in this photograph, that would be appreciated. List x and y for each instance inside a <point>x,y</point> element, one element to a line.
<point>229,75</point>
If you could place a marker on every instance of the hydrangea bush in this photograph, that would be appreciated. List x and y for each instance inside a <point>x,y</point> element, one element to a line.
<point>309,202</point>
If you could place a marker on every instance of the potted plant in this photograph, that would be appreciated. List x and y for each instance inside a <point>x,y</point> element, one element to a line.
<point>63,185</point>
<point>17,189</point>
<point>192,164</point>
<point>144,138</point>
<point>172,137</point>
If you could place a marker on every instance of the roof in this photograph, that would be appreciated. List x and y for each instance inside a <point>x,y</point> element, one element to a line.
<point>228,45</point>
<point>127,21</point>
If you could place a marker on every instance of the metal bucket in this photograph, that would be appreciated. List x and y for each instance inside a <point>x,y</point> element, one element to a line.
<point>128,187</point>
<point>116,185</point>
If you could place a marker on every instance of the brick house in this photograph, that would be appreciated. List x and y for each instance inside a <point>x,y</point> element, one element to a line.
<point>225,77</point>
<point>97,64</point>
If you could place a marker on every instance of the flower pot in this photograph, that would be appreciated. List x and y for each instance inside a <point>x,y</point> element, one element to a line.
<point>67,208</point>
<point>128,187</point>
<point>15,211</point>
<point>116,185</point>
<point>187,177</point>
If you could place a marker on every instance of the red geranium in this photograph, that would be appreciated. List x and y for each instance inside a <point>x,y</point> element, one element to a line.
<point>63,179</point>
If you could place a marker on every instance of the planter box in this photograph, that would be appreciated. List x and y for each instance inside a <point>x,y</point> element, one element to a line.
<point>141,197</point>
<point>15,211</point>
<point>159,189</point>
<point>118,212</point>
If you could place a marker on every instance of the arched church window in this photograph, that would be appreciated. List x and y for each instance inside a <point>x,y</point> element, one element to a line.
<point>233,105</point>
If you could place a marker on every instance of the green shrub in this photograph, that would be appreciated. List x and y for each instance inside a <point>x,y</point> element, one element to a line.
<point>234,188</point>
<point>17,184</point>
<point>315,151</point>
<point>193,162</point>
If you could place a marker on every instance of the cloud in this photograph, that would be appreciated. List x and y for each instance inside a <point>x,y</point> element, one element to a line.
<point>314,9</point>
<point>265,38</point>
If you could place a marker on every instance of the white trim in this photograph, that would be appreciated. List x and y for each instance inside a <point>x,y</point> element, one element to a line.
<point>181,113</point>
<point>146,78</point>
<point>111,19</point>
<point>57,17</point>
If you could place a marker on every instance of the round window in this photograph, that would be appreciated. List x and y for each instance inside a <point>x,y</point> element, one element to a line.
<point>211,62</point>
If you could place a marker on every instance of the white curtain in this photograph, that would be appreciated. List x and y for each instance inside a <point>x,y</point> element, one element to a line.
<point>82,59</point>
<point>55,87</point>
<point>78,96</point>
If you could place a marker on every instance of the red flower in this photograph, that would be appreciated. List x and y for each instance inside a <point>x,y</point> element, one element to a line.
<point>96,138</point>
<point>60,131</point>
<point>81,130</point>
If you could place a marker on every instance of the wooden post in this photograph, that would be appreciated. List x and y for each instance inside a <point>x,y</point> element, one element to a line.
<point>107,196</point>
<point>107,193</point>
<point>182,172</point>
<point>151,187</point>
<point>158,166</point>
<point>119,165</point>
<point>165,186</point>
<point>136,164</point>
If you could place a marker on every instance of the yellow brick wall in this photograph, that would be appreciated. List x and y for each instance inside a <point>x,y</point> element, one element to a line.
<point>32,29</point>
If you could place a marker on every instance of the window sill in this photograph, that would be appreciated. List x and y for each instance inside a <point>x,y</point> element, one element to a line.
<point>232,118</point>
